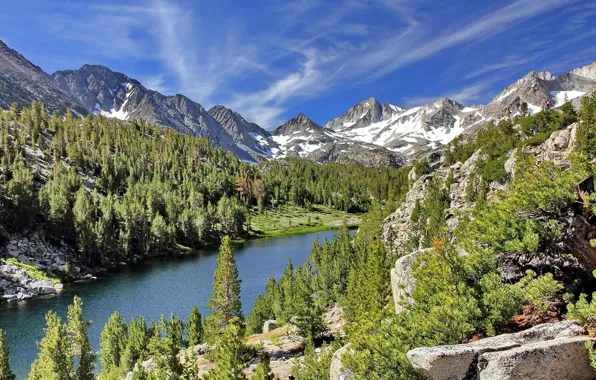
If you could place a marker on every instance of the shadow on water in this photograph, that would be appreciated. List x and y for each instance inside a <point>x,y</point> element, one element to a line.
<point>152,288</point>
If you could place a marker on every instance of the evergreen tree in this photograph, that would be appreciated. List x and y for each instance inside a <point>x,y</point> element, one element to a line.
<point>54,361</point>
<point>229,353</point>
<point>77,328</point>
<point>225,302</point>
<point>112,341</point>
<point>136,344</point>
<point>20,191</point>
<point>195,327</point>
<point>5,372</point>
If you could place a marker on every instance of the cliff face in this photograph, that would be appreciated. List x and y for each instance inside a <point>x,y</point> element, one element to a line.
<point>398,226</point>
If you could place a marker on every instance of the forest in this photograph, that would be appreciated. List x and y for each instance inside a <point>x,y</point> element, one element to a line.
<point>458,296</point>
<point>115,191</point>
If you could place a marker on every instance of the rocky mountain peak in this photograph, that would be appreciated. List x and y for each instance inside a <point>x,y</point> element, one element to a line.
<point>23,82</point>
<point>588,71</point>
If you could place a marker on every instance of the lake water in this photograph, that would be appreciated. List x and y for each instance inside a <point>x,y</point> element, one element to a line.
<point>152,288</point>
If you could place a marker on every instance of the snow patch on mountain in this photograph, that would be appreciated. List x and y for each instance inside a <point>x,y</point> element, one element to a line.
<point>562,97</point>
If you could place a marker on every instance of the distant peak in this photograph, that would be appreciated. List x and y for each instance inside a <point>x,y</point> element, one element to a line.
<point>543,75</point>
<point>219,108</point>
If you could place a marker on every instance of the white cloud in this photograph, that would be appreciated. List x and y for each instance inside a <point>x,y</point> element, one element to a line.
<point>259,65</point>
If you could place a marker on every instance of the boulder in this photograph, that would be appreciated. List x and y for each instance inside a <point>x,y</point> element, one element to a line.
<point>561,359</point>
<point>44,287</point>
<point>462,361</point>
<point>403,281</point>
<point>337,370</point>
<point>269,325</point>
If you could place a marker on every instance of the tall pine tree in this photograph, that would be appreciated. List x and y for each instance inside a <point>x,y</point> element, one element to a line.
<point>81,346</point>
<point>112,341</point>
<point>195,327</point>
<point>225,302</point>
<point>54,361</point>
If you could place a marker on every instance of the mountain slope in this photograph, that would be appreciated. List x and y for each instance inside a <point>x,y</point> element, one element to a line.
<point>248,136</point>
<point>22,82</point>
<point>113,94</point>
<point>301,137</point>
<point>420,129</point>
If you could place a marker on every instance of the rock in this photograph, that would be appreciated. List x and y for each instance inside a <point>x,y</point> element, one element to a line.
<point>337,370</point>
<point>41,287</point>
<point>561,359</point>
<point>334,321</point>
<point>511,163</point>
<point>458,361</point>
<point>280,343</point>
<point>403,281</point>
<point>269,325</point>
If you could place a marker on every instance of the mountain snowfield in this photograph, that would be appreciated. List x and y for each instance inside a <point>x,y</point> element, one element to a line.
<point>369,133</point>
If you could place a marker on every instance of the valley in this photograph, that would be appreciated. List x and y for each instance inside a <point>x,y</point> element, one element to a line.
<point>121,208</point>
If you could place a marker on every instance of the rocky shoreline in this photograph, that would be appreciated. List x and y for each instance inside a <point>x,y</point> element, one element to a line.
<point>16,284</point>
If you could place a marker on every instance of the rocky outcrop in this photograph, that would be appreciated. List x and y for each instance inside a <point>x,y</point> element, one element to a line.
<point>18,285</point>
<point>557,148</point>
<point>548,351</point>
<point>398,226</point>
<point>34,250</point>
<point>337,370</point>
<point>562,359</point>
<point>334,321</point>
<point>403,281</point>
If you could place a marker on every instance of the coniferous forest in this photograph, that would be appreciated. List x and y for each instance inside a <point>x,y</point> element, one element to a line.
<point>116,190</point>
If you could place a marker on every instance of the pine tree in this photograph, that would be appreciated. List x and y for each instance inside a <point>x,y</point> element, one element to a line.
<point>136,345</point>
<point>229,353</point>
<point>5,372</point>
<point>77,328</point>
<point>54,360</point>
<point>112,341</point>
<point>225,302</point>
<point>195,327</point>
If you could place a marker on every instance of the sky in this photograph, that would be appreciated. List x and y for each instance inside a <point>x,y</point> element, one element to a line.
<point>272,59</point>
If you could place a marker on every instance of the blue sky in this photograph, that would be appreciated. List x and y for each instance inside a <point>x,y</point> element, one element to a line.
<point>271,59</point>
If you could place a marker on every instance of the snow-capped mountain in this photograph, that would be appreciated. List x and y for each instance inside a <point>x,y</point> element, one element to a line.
<point>419,129</point>
<point>363,114</point>
<point>115,95</point>
<point>537,87</point>
<point>405,130</point>
<point>301,137</point>
<point>370,133</point>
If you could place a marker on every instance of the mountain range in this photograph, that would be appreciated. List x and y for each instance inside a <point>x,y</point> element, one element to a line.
<point>369,133</point>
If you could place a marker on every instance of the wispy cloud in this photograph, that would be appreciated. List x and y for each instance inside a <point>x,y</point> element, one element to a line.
<point>260,65</point>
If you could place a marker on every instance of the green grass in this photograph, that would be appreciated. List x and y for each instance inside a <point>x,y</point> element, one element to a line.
<point>34,272</point>
<point>291,220</point>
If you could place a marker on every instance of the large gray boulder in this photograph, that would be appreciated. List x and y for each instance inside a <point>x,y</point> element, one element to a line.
<point>561,359</point>
<point>337,370</point>
<point>403,282</point>
<point>490,355</point>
